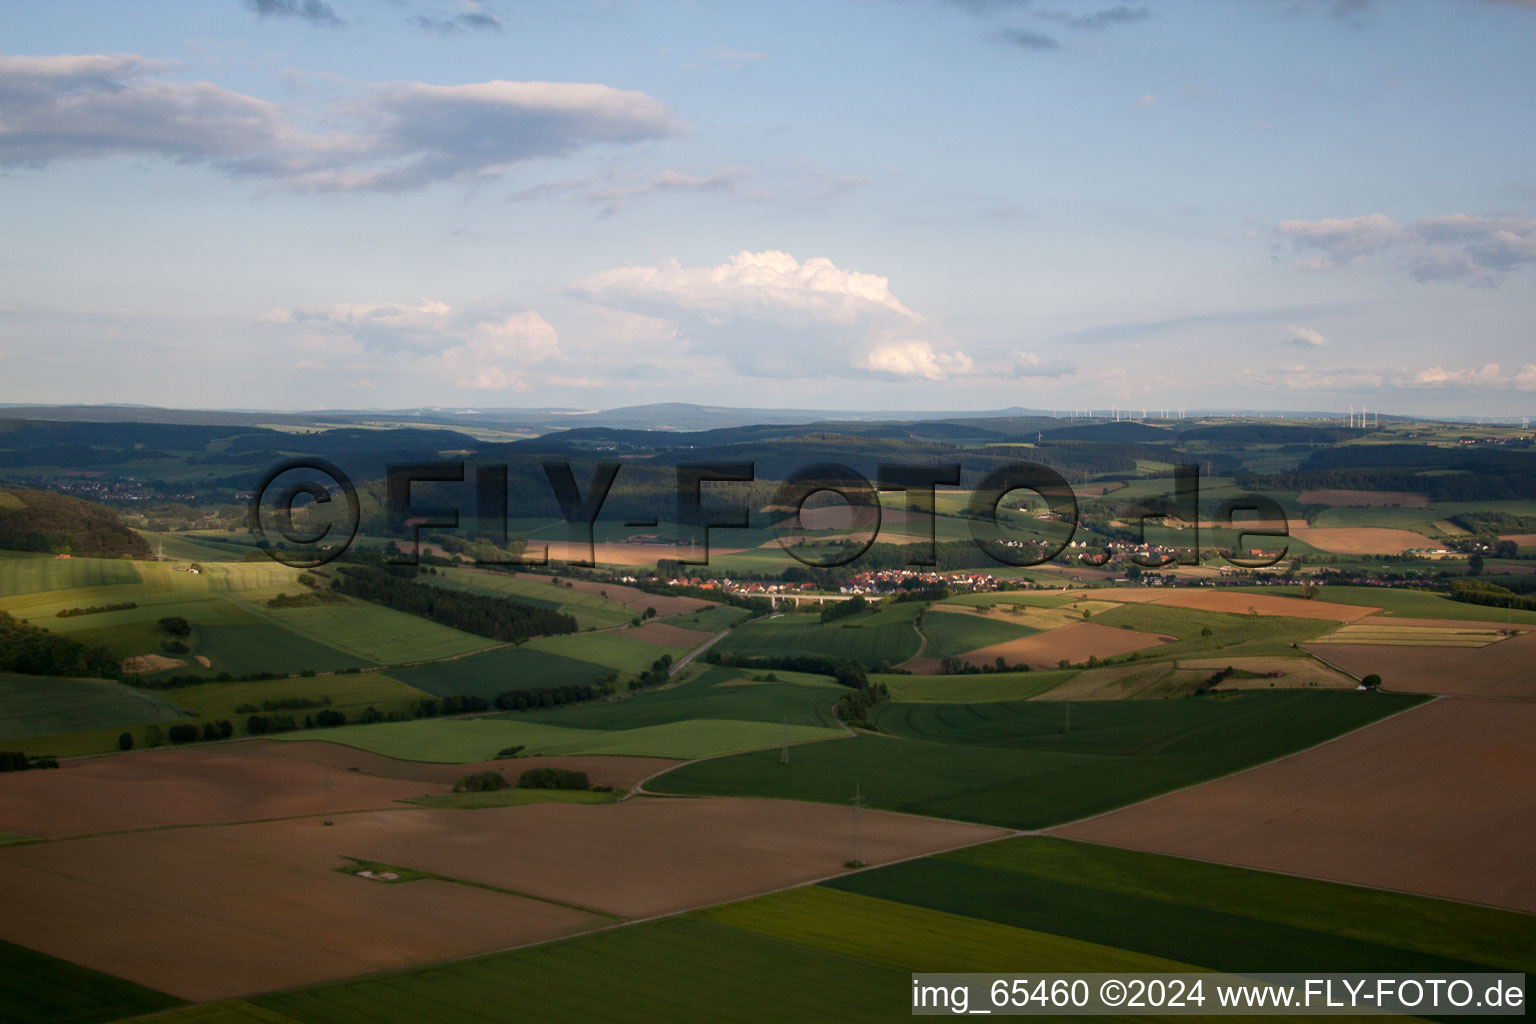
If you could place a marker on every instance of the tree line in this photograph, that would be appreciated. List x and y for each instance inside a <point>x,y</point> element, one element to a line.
<point>496,617</point>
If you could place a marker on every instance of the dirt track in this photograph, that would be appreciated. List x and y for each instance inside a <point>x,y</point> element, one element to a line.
<point>1439,800</point>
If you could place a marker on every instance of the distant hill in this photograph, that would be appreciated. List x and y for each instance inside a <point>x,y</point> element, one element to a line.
<point>44,521</point>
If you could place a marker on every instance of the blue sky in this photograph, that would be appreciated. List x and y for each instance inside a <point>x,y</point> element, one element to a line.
<point>891,204</point>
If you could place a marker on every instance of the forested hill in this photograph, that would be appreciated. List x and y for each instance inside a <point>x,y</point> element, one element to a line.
<point>44,521</point>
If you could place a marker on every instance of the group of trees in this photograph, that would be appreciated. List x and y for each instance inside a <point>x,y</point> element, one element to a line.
<point>61,524</point>
<point>831,611</point>
<point>17,761</point>
<point>553,778</point>
<point>955,666</point>
<point>554,696</point>
<point>1491,594</point>
<point>659,672</point>
<point>34,651</point>
<point>97,609</point>
<point>854,708</point>
<point>496,617</point>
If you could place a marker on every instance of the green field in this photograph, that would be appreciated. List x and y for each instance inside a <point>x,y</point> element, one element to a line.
<point>459,740</point>
<point>612,650</point>
<point>807,700</point>
<point>591,611</point>
<point>1223,918</point>
<point>40,989</point>
<point>1017,764</point>
<point>24,572</point>
<point>377,635</point>
<point>349,692</point>
<point>708,620</point>
<point>881,637</point>
<point>1231,635</point>
<point>973,688</point>
<point>493,672</point>
<point>951,634</point>
<point>44,706</point>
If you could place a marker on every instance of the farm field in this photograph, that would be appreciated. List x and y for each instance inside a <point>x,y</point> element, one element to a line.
<point>349,692</point>
<point>1366,499</point>
<point>1391,798</point>
<point>182,786</point>
<point>953,633</point>
<point>462,740</point>
<point>676,855</point>
<point>973,688</point>
<point>191,912</point>
<point>47,705</point>
<point>1017,764</point>
<point>666,635</point>
<point>708,620</point>
<point>1250,602</point>
<point>871,638</point>
<point>618,772</point>
<point>592,611</point>
<point>1072,643</point>
<point>1362,540</point>
<point>39,989</point>
<point>1500,669</point>
<point>495,671</point>
<point>377,635</point>
<point>1230,635</point>
<point>1213,916</point>
<point>716,694</point>
<point>612,650</point>
<point>1401,602</point>
<point>24,572</point>
<point>1390,633</point>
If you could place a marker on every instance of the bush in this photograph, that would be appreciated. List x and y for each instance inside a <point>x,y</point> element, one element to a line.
<point>553,778</point>
<point>182,733</point>
<point>153,737</point>
<point>509,751</point>
<point>481,782</point>
<point>1371,681</point>
<point>125,741</point>
<point>176,625</point>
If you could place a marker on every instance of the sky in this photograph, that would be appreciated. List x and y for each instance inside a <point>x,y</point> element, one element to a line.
<point>884,204</point>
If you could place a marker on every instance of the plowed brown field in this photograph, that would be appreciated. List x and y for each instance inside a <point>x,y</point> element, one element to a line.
<point>214,912</point>
<point>1503,669</point>
<point>668,635</point>
<point>1217,600</point>
<point>1073,643</point>
<point>1440,800</point>
<point>1362,540</point>
<point>246,781</point>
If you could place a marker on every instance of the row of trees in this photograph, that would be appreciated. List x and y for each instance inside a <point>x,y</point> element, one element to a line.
<point>496,617</point>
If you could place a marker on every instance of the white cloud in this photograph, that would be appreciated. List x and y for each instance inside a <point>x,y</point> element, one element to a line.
<point>405,135</point>
<point>1477,249</point>
<point>913,359</point>
<point>462,348</point>
<point>1304,336</point>
<point>771,315</point>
